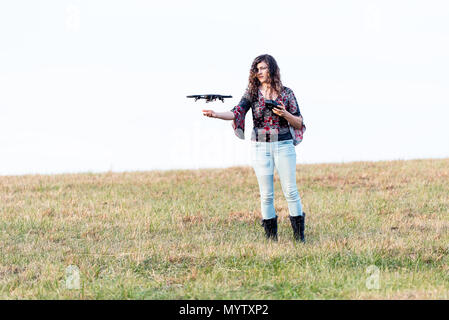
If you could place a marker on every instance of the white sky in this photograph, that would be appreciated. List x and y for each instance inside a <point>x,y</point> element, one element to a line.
<point>101,85</point>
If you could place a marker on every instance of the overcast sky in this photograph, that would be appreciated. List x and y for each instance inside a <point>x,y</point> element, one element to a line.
<point>101,85</point>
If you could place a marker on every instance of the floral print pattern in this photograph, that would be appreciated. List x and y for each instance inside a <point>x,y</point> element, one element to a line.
<point>265,122</point>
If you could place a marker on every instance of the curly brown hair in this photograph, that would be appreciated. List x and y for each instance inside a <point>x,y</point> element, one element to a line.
<point>274,76</point>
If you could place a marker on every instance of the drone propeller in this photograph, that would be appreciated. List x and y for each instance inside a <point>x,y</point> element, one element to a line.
<point>209,97</point>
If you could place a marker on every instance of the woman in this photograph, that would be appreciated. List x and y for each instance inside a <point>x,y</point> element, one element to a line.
<point>276,133</point>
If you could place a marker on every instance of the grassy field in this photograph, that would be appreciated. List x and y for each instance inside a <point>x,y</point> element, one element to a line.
<point>375,230</point>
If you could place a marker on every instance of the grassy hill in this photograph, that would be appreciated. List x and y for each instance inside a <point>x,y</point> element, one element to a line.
<point>374,230</point>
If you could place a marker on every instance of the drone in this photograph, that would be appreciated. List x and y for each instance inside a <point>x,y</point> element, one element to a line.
<point>209,97</point>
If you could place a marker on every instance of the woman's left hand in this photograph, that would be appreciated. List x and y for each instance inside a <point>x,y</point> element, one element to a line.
<point>280,110</point>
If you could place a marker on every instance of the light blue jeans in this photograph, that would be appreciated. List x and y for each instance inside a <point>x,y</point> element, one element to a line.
<point>265,156</point>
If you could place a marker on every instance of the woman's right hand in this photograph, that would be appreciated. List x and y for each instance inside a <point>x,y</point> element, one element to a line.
<point>209,113</point>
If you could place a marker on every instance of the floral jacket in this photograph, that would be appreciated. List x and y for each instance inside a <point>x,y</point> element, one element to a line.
<point>266,123</point>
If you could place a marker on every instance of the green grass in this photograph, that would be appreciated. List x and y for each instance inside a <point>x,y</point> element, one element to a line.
<point>195,234</point>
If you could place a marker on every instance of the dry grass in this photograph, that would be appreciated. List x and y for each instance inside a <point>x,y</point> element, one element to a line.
<point>196,234</point>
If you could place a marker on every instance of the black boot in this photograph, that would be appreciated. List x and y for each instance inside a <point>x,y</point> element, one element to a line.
<point>298,225</point>
<point>271,228</point>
